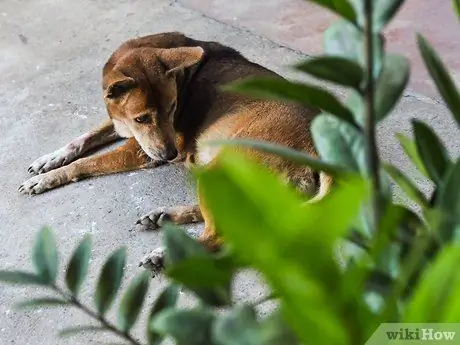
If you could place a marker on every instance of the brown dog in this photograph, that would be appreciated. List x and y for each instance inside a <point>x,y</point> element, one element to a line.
<point>162,92</point>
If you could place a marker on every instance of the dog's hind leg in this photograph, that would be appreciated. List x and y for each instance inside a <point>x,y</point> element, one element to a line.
<point>209,239</point>
<point>127,157</point>
<point>177,215</point>
<point>154,261</point>
<point>104,134</point>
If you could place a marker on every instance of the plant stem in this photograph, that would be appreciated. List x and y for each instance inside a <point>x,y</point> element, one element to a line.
<point>372,156</point>
<point>94,315</point>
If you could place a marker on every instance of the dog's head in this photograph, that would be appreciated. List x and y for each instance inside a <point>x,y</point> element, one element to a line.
<point>141,92</point>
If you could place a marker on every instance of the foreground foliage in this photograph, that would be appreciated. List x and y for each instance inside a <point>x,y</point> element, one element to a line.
<point>395,265</point>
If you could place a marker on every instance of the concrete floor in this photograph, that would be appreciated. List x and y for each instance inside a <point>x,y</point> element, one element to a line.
<point>299,24</point>
<point>50,65</point>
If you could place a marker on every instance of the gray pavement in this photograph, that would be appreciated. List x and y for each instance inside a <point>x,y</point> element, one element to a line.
<point>51,55</point>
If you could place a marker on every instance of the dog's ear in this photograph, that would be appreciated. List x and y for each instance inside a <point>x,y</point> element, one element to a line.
<point>177,59</point>
<point>118,85</point>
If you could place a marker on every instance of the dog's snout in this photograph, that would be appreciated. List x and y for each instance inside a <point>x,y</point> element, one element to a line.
<point>169,153</point>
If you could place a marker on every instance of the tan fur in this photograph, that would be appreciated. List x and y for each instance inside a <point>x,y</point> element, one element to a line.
<point>163,92</point>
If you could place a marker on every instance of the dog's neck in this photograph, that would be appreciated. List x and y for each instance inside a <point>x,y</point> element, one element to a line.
<point>183,81</point>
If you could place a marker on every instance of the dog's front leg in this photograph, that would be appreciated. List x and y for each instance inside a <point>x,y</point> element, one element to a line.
<point>104,134</point>
<point>177,215</point>
<point>124,158</point>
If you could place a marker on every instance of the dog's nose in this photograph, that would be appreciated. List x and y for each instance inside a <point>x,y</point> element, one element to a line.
<point>169,153</point>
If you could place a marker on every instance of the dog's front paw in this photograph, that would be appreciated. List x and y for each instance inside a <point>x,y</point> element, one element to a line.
<point>152,220</point>
<point>40,183</point>
<point>154,261</point>
<point>52,161</point>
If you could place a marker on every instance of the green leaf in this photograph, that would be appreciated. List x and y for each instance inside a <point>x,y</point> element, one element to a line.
<point>18,277</point>
<point>239,327</point>
<point>431,151</point>
<point>344,40</point>
<point>167,299</point>
<point>180,248</point>
<point>448,202</point>
<point>281,89</point>
<point>410,149</point>
<point>200,272</point>
<point>294,250</point>
<point>110,280</point>
<point>456,5</point>
<point>44,255</point>
<point>338,143</point>
<point>383,12</point>
<point>78,265</point>
<point>42,302</point>
<point>187,327</point>
<point>407,186</point>
<point>285,152</point>
<point>341,7</point>
<point>440,76</point>
<point>438,290</point>
<point>355,103</point>
<point>66,332</point>
<point>390,84</point>
<point>274,331</point>
<point>334,69</point>
<point>131,304</point>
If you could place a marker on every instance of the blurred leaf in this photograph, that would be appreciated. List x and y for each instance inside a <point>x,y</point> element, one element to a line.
<point>131,303</point>
<point>294,251</point>
<point>338,143</point>
<point>238,327</point>
<point>281,89</point>
<point>110,280</point>
<point>187,327</point>
<point>180,248</point>
<point>437,290</point>
<point>407,185</point>
<point>448,202</point>
<point>166,299</point>
<point>344,40</point>
<point>78,265</point>
<point>285,152</point>
<point>335,69</point>
<point>390,84</point>
<point>355,103</point>
<point>384,10</point>
<point>341,7</point>
<point>456,4</point>
<point>274,331</point>
<point>42,302</point>
<point>440,76</point>
<point>66,332</point>
<point>18,277</point>
<point>410,149</point>
<point>431,151</point>
<point>209,274</point>
<point>44,255</point>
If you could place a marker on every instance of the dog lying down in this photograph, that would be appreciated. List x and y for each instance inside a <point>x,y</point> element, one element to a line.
<point>162,94</point>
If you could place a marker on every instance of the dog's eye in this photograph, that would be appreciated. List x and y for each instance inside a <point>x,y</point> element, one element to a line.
<point>143,118</point>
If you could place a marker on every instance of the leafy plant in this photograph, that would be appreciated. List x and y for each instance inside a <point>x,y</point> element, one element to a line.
<point>392,264</point>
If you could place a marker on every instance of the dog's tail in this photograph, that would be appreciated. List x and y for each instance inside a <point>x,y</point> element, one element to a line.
<point>325,185</point>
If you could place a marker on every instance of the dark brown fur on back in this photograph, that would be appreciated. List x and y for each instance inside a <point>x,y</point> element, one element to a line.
<point>200,100</point>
